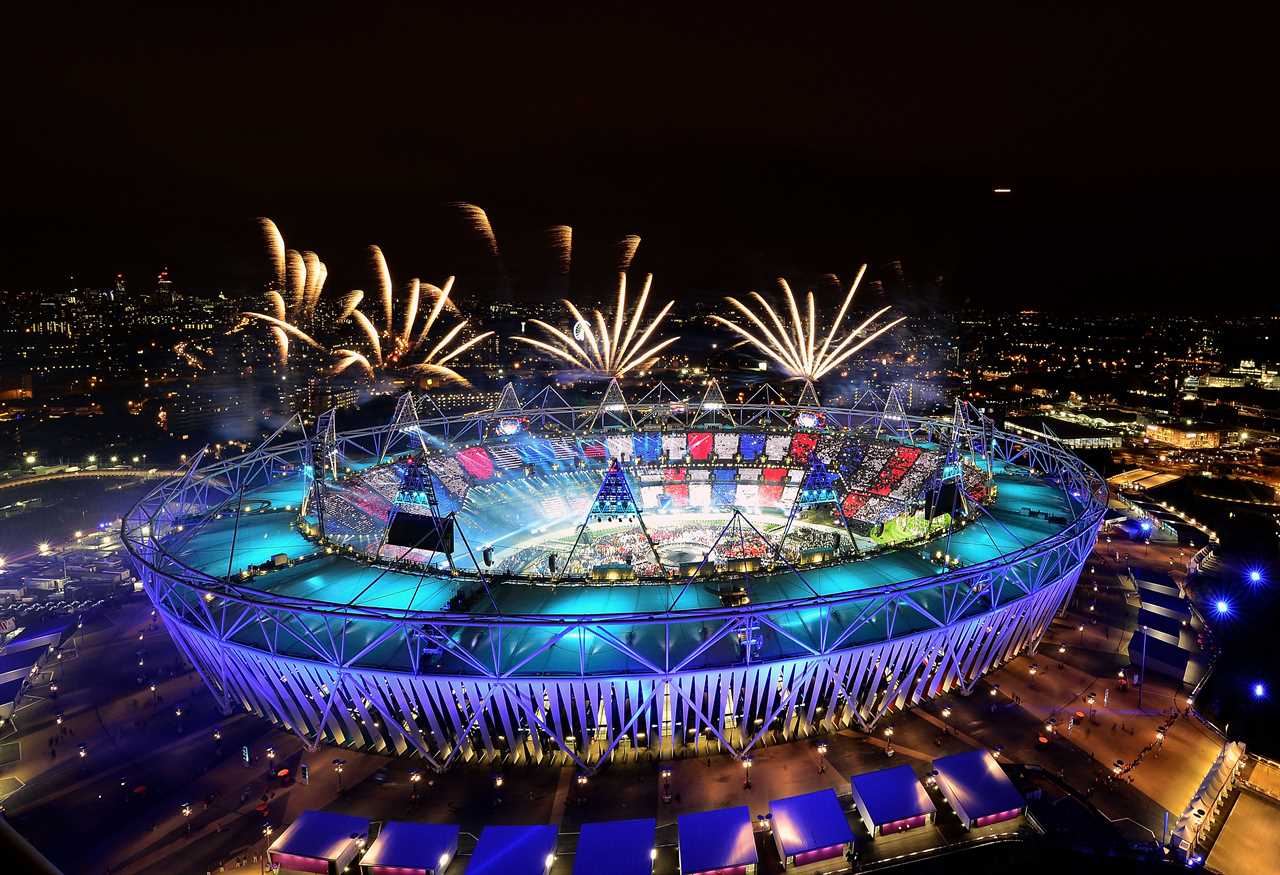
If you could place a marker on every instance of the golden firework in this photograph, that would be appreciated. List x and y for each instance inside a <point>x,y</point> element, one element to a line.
<point>793,345</point>
<point>599,349</point>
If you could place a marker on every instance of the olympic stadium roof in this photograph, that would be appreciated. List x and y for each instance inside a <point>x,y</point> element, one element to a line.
<point>1025,512</point>
<point>622,847</point>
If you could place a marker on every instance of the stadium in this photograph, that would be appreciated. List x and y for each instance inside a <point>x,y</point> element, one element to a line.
<point>545,582</point>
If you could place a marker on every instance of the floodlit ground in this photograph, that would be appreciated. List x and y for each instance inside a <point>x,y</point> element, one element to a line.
<point>1249,843</point>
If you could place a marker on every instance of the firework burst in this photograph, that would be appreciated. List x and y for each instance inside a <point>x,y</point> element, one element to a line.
<point>398,343</point>
<point>793,345</point>
<point>296,283</point>
<point>387,341</point>
<point>595,347</point>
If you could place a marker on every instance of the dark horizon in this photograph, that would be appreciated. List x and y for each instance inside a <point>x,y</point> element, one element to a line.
<point>1139,150</point>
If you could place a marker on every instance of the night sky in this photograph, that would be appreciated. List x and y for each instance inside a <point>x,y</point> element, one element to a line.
<point>1142,148</point>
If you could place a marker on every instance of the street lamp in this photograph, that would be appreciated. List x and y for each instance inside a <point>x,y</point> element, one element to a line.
<point>338,765</point>
<point>271,754</point>
<point>666,784</point>
<point>83,751</point>
<point>888,747</point>
<point>746,766</point>
<point>822,757</point>
<point>414,779</point>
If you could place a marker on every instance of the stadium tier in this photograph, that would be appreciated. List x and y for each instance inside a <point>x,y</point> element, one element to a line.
<point>620,583</point>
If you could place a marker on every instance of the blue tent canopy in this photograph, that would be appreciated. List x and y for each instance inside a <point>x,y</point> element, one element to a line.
<point>621,847</point>
<point>36,633</point>
<point>513,850</point>
<point>891,795</point>
<point>717,839</point>
<point>16,666</point>
<point>409,846</point>
<point>976,786</point>
<point>321,835</point>
<point>809,821</point>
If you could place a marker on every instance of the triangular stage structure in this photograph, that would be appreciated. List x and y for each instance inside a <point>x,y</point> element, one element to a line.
<point>614,503</point>
<point>323,463</point>
<point>947,494</point>
<point>735,531</point>
<point>808,397</point>
<point>893,419</point>
<point>658,407</point>
<point>508,404</point>
<point>404,431</point>
<point>549,407</point>
<point>869,400</point>
<point>613,411</point>
<point>713,411</point>
<point>614,498</point>
<point>775,409</point>
<point>819,488</point>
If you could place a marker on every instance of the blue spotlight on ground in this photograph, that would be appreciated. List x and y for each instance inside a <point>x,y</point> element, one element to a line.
<point>1223,607</point>
<point>1259,690</point>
